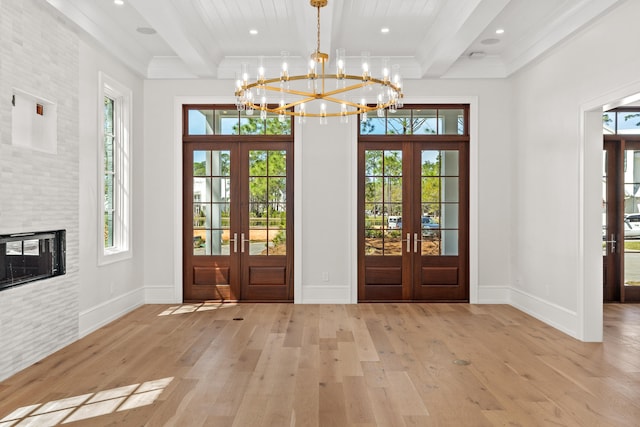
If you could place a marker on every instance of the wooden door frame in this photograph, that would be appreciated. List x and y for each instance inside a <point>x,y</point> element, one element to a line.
<point>406,143</point>
<point>239,144</point>
<point>614,289</point>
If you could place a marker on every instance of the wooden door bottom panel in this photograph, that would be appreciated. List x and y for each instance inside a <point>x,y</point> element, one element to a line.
<point>383,292</point>
<point>259,275</point>
<point>210,275</point>
<point>440,276</point>
<point>271,293</point>
<point>209,293</point>
<point>383,276</point>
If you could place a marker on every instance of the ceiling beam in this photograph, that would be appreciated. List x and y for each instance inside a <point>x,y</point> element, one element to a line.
<point>170,24</point>
<point>457,26</point>
<point>87,17</point>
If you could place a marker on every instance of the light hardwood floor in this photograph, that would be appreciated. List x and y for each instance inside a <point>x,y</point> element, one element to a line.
<point>334,365</point>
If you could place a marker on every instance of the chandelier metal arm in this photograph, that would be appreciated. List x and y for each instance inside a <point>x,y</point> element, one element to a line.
<point>264,84</point>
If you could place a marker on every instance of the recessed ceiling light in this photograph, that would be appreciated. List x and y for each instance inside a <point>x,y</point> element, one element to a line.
<point>384,30</point>
<point>500,31</point>
<point>118,2</point>
<point>253,31</point>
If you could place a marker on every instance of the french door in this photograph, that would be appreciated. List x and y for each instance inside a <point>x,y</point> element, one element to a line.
<point>413,220</point>
<point>237,220</point>
<point>621,218</point>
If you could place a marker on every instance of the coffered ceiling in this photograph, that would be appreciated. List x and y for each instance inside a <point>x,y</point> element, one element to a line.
<point>427,38</point>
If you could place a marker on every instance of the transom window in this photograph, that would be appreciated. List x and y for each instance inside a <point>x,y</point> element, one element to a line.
<point>216,121</point>
<point>621,121</point>
<point>417,121</point>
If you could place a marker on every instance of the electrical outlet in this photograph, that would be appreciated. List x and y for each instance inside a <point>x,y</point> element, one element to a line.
<point>325,276</point>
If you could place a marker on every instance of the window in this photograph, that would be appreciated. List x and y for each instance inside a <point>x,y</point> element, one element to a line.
<point>621,121</point>
<point>210,120</point>
<point>416,120</point>
<point>114,167</point>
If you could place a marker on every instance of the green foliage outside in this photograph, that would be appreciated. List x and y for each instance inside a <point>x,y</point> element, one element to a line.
<point>271,126</point>
<point>383,185</point>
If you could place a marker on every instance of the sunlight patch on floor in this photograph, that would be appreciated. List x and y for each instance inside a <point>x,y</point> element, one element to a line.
<point>87,406</point>
<point>190,308</point>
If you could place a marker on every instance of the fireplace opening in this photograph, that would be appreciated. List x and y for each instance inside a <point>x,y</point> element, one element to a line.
<point>26,257</point>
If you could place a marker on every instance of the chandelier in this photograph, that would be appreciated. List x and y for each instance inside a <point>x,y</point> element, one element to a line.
<point>318,93</point>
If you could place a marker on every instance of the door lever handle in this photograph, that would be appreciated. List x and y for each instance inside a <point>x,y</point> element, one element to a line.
<point>235,242</point>
<point>242,242</point>
<point>415,242</point>
<point>408,240</point>
<point>613,242</point>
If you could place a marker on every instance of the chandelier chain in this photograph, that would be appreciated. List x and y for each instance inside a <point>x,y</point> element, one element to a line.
<point>318,27</point>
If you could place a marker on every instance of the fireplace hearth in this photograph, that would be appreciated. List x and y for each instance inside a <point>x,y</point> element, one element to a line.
<point>27,257</point>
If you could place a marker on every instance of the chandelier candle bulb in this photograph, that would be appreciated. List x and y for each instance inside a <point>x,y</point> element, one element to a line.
<point>385,70</point>
<point>284,75</point>
<point>340,63</point>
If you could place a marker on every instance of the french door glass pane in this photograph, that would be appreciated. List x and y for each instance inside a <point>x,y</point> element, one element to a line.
<point>211,202</point>
<point>373,191</point>
<point>267,202</point>
<point>373,163</point>
<point>440,202</point>
<point>383,202</point>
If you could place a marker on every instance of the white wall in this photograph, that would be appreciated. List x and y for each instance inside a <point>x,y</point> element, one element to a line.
<point>110,290</point>
<point>325,218</point>
<point>556,196</point>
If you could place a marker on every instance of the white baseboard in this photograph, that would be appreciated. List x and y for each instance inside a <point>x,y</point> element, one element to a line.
<point>108,311</point>
<point>331,294</point>
<point>558,317</point>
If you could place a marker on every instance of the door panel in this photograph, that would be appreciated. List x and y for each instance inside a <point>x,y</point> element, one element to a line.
<point>266,249</point>
<point>440,197</point>
<point>237,221</point>
<point>382,222</point>
<point>210,267</point>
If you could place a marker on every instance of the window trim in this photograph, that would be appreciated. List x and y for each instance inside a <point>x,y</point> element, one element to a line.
<point>122,96</point>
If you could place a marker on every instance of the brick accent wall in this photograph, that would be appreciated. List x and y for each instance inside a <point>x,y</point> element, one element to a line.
<point>39,191</point>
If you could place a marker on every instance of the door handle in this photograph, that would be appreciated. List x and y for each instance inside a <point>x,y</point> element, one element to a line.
<point>235,242</point>
<point>408,240</point>
<point>242,242</point>
<point>415,242</point>
<point>613,242</point>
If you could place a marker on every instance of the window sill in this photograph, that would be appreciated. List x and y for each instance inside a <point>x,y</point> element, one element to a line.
<point>113,255</point>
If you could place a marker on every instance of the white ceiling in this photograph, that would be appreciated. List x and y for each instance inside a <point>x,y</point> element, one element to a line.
<point>427,38</point>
